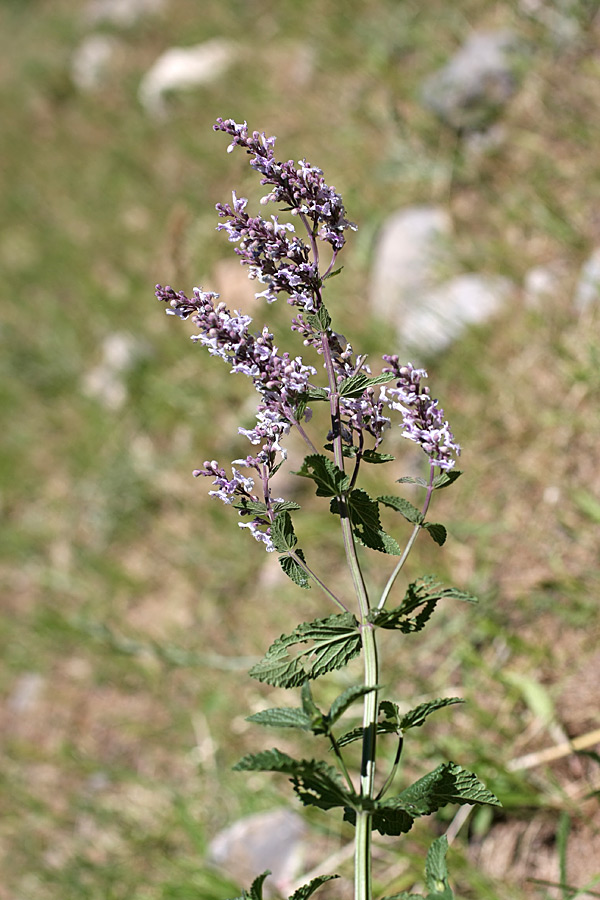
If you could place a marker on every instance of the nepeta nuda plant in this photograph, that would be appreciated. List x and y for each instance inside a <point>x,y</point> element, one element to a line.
<point>295,258</point>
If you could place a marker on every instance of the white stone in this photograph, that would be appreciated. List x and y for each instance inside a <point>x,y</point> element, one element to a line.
<point>92,61</point>
<point>183,68</point>
<point>587,292</point>
<point>26,693</point>
<point>123,13</point>
<point>272,840</point>
<point>443,314</point>
<point>540,285</point>
<point>105,381</point>
<point>410,252</point>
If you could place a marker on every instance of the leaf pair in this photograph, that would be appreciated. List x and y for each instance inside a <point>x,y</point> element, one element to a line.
<point>303,893</point>
<point>310,717</point>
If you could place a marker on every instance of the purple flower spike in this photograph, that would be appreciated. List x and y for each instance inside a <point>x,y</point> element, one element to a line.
<point>423,420</point>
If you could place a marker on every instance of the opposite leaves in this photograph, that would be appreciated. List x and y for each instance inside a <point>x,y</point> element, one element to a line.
<point>333,642</point>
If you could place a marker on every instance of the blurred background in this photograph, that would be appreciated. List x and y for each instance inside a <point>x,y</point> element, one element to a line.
<point>464,139</point>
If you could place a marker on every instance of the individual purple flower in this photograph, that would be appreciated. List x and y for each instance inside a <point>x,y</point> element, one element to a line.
<point>422,419</point>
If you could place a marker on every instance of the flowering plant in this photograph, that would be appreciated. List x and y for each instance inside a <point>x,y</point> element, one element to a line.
<point>362,406</point>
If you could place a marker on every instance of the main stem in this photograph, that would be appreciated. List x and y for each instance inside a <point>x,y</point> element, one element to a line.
<point>362,848</point>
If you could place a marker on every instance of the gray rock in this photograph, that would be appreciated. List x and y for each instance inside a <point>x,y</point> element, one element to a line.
<point>269,840</point>
<point>183,68</point>
<point>559,17</point>
<point>445,313</point>
<point>410,252</point>
<point>468,91</point>
<point>587,291</point>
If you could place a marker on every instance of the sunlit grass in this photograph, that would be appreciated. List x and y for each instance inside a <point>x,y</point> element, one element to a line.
<point>113,559</point>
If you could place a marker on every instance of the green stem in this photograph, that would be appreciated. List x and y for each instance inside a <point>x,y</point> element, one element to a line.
<point>362,850</point>
<point>317,580</point>
<point>411,541</point>
<point>340,759</point>
<point>362,857</point>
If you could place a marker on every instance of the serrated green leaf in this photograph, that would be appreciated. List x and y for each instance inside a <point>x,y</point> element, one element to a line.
<point>436,870</point>
<point>357,384</point>
<point>334,641</point>
<point>315,782</point>
<point>372,456</point>
<point>294,570</point>
<point>438,532</point>
<point>321,319</point>
<point>446,478</point>
<point>255,892</point>
<point>330,480</point>
<point>316,393</point>
<point>254,507</point>
<point>410,512</point>
<point>422,595</point>
<point>436,875</point>
<point>281,717</point>
<point>417,716</point>
<point>346,699</point>
<point>283,505</point>
<point>366,525</point>
<point>449,783</point>
<point>304,892</point>
<point>282,532</point>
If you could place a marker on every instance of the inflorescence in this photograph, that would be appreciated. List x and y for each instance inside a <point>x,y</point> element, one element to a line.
<point>286,264</point>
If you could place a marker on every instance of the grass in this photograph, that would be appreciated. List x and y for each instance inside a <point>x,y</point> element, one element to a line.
<point>124,584</point>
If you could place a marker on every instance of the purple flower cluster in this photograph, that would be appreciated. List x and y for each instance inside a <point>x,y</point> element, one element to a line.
<point>284,263</point>
<point>280,262</point>
<point>422,419</point>
<point>238,489</point>
<point>280,379</point>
